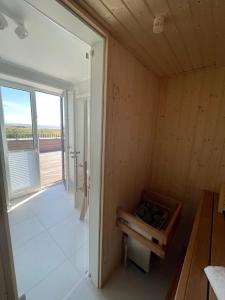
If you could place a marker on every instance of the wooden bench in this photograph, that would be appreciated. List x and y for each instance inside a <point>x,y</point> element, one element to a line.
<point>206,247</point>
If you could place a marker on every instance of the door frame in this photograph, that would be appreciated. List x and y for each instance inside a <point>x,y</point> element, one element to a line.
<point>8,272</point>
<point>4,150</point>
<point>62,129</point>
<point>97,142</point>
<point>79,12</point>
<point>67,97</point>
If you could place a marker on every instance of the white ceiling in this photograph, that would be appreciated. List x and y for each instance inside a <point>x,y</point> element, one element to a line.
<point>48,49</point>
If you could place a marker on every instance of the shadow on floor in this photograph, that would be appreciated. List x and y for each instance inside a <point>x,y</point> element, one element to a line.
<point>134,284</point>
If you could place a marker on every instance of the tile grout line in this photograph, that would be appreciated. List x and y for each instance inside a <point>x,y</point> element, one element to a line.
<point>28,218</point>
<point>73,288</point>
<point>46,230</point>
<point>46,276</point>
<point>65,254</point>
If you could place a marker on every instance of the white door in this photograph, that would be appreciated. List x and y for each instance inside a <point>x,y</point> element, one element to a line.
<point>19,133</point>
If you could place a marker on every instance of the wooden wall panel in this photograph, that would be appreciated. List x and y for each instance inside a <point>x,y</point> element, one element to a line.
<point>189,137</point>
<point>2,282</point>
<point>130,118</point>
<point>193,35</point>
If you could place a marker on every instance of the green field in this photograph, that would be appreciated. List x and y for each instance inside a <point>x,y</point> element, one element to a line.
<point>26,132</point>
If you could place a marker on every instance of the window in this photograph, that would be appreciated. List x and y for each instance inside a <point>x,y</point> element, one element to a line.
<point>17,119</point>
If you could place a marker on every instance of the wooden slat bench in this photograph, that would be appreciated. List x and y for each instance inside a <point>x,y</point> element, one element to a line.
<point>206,247</point>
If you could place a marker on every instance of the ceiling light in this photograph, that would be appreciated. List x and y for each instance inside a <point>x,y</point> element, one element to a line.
<point>3,22</point>
<point>21,31</point>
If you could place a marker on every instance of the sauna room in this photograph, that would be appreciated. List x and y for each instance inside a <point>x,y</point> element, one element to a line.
<point>159,193</point>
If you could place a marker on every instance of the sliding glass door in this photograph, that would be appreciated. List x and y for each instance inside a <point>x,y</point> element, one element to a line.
<point>19,133</point>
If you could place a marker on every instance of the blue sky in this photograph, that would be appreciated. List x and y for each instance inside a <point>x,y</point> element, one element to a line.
<point>16,106</point>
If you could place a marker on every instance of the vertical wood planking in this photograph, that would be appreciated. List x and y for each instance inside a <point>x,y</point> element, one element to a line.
<point>188,152</point>
<point>201,144</point>
<point>212,128</point>
<point>130,118</point>
<point>218,16</point>
<point>159,137</point>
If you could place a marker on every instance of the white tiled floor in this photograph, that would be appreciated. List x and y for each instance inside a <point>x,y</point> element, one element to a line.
<point>49,245</point>
<point>132,283</point>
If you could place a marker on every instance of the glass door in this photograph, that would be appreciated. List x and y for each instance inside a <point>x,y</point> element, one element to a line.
<point>81,155</point>
<point>69,144</point>
<point>76,149</point>
<point>19,132</point>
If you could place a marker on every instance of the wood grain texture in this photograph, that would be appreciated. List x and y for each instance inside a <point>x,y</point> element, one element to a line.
<point>189,139</point>
<point>193,35</point>
<point>197,284</point>
<point>130,118</point>
<point>50,167</point>
<point>2,282</point>
<point>185,271</point>
<point>193,283</point>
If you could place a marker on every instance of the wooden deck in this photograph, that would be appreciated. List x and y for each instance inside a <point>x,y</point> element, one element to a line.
<point>50,167</point>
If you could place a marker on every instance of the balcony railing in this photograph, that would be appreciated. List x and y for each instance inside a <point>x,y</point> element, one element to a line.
<point>47,142</point>
<point>29,136</point>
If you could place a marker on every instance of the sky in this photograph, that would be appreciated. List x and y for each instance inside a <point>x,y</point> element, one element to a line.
<point>16,107</point>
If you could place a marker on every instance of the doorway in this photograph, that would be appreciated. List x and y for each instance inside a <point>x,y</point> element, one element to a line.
<point>48,216</point>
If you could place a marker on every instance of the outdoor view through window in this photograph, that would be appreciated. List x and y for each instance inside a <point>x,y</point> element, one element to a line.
<point>20,124</point>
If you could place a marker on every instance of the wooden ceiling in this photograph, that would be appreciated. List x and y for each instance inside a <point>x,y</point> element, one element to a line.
<point>193,37</point>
